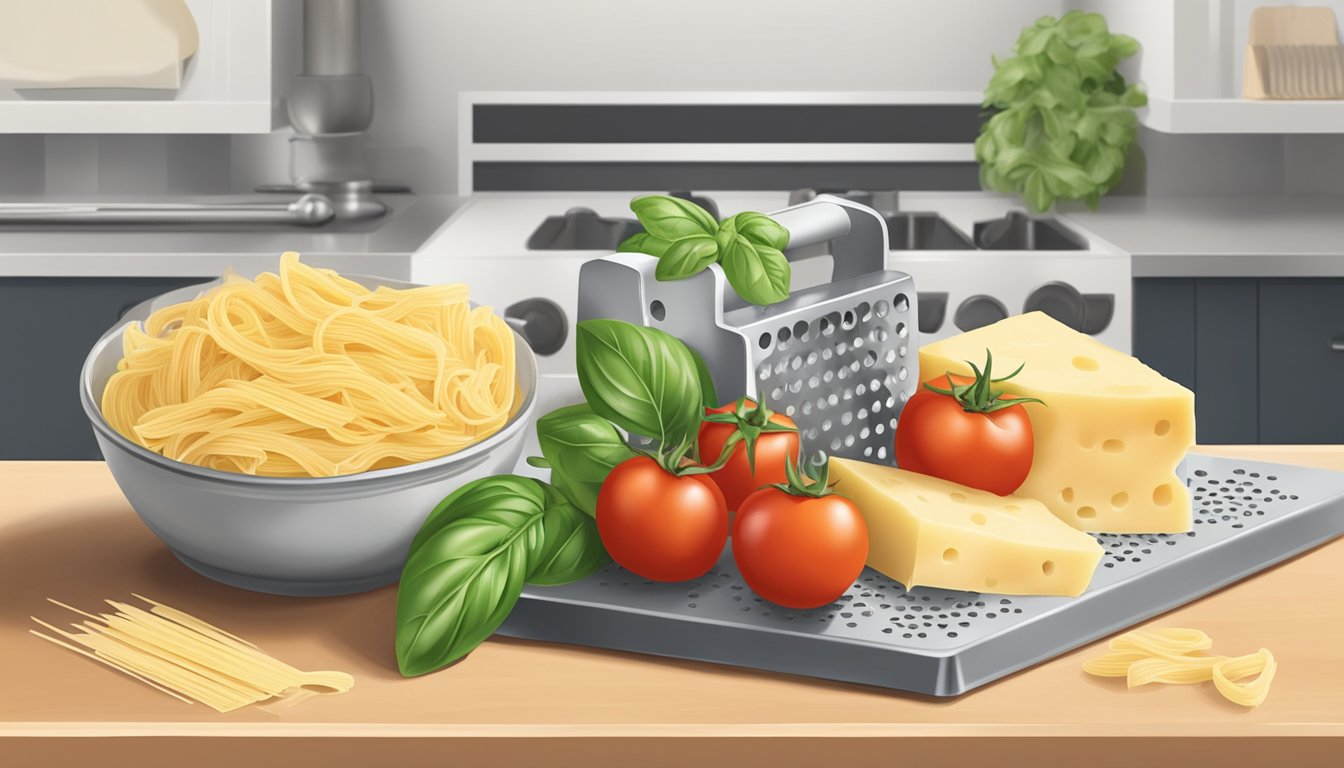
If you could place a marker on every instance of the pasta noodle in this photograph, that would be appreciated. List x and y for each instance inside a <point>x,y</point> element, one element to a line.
<point>1260,664</point>
<point>307,374</point>
<point>187,658</point>
<point>1173,656</point>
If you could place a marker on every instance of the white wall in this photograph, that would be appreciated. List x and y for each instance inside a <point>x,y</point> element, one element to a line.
<point>1151,23</point>
<point>422,52</point>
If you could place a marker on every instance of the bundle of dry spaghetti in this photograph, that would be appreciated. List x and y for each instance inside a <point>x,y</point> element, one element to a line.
<point>308,374</point>
<point>1176,656</point>
<point>186,658</point>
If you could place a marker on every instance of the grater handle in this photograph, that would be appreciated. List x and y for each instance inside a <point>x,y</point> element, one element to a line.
<point>810,224</point>
<point>857,234</point>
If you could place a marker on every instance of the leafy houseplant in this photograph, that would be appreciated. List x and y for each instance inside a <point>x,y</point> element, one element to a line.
<point>1063,116</point>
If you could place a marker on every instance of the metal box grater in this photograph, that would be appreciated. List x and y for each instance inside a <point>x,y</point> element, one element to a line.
<point>1248,516</point>
<point>840,358</point>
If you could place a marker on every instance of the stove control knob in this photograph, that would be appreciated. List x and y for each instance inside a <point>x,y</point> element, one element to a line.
<point>1060,301</point>
<point>541,322</point>
<point>1089,313</point>
<point>1100,309</point>
<point>979,311</point>
<point>932,310</point>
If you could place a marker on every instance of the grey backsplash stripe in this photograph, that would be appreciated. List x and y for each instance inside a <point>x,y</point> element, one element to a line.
<point>593,176</point>
<point>725,123</point>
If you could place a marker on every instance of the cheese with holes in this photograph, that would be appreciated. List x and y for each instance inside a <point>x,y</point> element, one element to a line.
<point>927,532</point>
<point>1112,430</point>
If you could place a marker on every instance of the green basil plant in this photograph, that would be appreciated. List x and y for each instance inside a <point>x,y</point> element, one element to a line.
<point>1063,117</point>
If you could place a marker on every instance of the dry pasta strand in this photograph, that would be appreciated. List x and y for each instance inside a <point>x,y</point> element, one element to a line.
<point>187,658</point>
<point>307,374</point>
<point>1173,655</point>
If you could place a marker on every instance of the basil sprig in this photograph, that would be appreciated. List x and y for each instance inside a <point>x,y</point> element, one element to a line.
<point>468,564</point>
<point>686,240</point>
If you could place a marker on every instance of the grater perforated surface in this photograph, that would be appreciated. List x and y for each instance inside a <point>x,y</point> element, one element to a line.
<point>1248,515</point>
<point>843,376</point>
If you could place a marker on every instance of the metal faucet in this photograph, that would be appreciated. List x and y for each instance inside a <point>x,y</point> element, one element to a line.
<point>331,107</point>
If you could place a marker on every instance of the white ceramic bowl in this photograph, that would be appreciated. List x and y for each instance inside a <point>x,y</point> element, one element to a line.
<point>290,536</point>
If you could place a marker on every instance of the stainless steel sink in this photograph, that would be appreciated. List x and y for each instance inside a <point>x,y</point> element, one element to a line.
<point>1019,232</point>
<point>924,232</point>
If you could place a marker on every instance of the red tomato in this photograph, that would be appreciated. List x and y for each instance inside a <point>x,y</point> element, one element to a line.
<point>735,479</point>
<point>799,552</point>
<point>661,526</point>
<point>990,451</point>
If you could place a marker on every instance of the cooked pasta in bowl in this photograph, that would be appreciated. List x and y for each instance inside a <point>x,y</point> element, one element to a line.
<point>290,433</point>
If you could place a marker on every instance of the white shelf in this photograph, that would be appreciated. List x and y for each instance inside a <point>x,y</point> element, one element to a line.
<point>135,117</point>
<point>226,88</point>
<point>1242,116</point>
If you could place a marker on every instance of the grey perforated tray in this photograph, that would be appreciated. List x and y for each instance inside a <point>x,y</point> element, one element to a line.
<point>1248,516</point>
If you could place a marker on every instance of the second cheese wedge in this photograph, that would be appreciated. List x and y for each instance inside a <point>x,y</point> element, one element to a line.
<point>927,532</point>
<point>1112,430</point>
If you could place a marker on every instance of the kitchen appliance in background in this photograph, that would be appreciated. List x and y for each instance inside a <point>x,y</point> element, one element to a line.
<point>837,358</point>
<point>521,253</point>
<point>546,205</point>
<point>962,288</point>
<point>584,230</point>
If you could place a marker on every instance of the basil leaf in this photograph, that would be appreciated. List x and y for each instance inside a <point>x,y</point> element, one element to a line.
<point>1038,197</point>
<point>759,228</point>
<point>709,397</point>
<point>643,242</point>
<point>640,379</point>
<point>686,257</point>
<point>571,548</point>
<point>671,218</point>
<point>759,273</point>
<point>582,449</point>
<point>466,569</point>
<point>726,234</point>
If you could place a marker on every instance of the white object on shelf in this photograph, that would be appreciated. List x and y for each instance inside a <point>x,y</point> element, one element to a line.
<point>226,87</point>
<point>95,44</point>
<point>1293,53</point>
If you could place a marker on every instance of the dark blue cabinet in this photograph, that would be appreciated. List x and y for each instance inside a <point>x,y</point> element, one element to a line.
<point>47,326</point>
<point>1265,357</point>
<point>1301,361</point>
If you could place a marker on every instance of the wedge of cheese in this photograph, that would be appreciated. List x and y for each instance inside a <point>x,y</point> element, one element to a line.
<point>926,532</point>
<point>1112,430</point>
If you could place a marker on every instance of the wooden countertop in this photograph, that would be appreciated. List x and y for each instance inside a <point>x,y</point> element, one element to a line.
<point>66,532</point>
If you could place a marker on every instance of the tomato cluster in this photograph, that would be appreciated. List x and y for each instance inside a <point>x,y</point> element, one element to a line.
<point>795,543</point>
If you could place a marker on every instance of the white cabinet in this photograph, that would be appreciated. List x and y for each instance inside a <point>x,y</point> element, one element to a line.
<point>227,86</point>
<point>1191,64</point>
